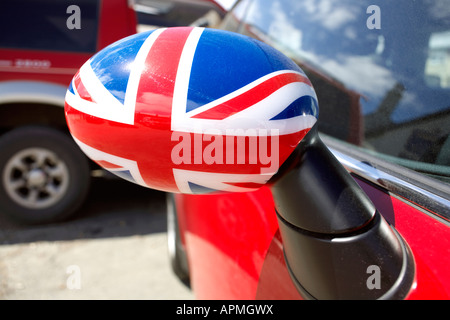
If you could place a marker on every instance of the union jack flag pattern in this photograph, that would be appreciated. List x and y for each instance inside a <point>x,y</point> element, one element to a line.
<point>190,110</point>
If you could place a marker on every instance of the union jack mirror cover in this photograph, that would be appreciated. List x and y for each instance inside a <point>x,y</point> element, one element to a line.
<point>190,110</point>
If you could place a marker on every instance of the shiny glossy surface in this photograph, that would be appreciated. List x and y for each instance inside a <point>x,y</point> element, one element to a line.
<point>190,110</point>
<point>233,243</point>
<point>341,72</point>
<point>426,236</point>
<point>377,172</point>
<point>227,249</point>
<point>235,256</point>
<point>380,69</point>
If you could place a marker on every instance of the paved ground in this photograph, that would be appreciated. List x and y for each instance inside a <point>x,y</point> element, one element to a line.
<point>114,248</point>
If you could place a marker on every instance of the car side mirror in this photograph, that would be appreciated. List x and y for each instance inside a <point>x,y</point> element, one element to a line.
<point>196,110</point>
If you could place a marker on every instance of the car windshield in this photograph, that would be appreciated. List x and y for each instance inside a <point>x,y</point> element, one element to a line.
<point>381,70</point>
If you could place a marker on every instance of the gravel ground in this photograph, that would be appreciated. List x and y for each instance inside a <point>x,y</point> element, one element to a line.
<point>113,248</point>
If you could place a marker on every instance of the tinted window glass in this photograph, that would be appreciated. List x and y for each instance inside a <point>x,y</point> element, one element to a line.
<point>172,13</point>
<point>232,21</point>
<point>42,25</point>
<point>381,70</point>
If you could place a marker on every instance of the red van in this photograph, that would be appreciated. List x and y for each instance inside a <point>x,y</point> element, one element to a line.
<point>43,175</point>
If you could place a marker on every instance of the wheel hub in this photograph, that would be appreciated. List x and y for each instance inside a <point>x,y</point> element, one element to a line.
<point>35,178</point>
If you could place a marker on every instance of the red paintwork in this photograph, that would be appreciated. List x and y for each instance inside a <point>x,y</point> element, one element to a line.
<point>116,20</point>
<point>227,237</point>
<point>235,250</point>
<point>61,68</point>
<point>428,239</point>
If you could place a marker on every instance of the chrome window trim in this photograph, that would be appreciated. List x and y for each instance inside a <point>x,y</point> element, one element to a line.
<point>428,194</point>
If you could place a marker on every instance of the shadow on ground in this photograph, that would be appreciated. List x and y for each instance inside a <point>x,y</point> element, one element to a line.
<point>114,208</point>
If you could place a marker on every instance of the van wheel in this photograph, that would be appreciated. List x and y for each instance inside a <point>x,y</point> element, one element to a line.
<point>44,176</point>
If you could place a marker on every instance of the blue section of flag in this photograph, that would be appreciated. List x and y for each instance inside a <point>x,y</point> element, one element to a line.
<point>247,63</point>
<point>305,105</point>
<point>126,174</point>
<point>198,189</point>
<point>112,65</point>
<point>71,88</point>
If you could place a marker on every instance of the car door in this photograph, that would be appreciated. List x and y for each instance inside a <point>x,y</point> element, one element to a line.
<point>380,71</point>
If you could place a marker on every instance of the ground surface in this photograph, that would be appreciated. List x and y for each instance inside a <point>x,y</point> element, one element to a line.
<point>114,248</point>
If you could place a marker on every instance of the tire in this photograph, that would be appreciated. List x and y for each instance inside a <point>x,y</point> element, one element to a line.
<point>44,176</point>
<point>177,253</point>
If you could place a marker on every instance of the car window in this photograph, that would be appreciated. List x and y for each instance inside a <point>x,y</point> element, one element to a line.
<point>172,13</point>
<point>381,70</point>
<point>49,25</point>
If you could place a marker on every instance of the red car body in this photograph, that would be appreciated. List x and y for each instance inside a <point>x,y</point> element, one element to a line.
<point>235,251</point>
<point>232,242</point>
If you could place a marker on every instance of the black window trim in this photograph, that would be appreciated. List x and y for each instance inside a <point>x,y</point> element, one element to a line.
<point>428,194</point>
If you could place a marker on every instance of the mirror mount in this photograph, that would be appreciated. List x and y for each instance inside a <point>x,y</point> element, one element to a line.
<point>334,238</point>
<point>331,201</point>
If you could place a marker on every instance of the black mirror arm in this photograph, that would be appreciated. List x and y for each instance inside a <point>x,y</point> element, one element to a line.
<point>336,244</point>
